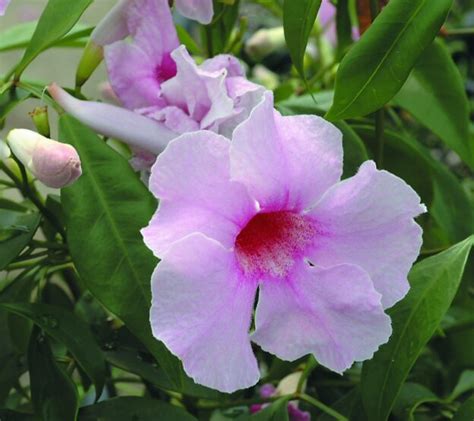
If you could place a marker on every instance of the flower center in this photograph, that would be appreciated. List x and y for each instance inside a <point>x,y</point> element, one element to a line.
<point>271,242</point>
<point>167,69</point>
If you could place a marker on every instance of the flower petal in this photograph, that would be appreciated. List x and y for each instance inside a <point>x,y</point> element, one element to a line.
<point>113,27</point>
<point>333,313</point>
<point>136,69</point>
<point>115,122</point>
<point>367,220</point>
<point>192,180</point>
<point>205,96</point>
<point>201,310</point>
<point>200,10</point>
<point>285,162</point>
<point>132,74</point>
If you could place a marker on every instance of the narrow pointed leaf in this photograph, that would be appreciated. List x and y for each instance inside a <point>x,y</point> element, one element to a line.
<point>377,66</point>
<point>434,282</point>
<point>53,393</point>
<point>434,94</point>
<point>298,20</point>
<point>57,19</point>
<point>67,328</point>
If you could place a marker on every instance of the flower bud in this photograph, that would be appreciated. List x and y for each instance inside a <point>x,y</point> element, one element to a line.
<point>264,42</point>
<point>40,118</point>
<point>53,163</point>
<point>4,151</point>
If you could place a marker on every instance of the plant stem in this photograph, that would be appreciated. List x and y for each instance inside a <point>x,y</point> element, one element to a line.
<point>336,415</point>
<point>309,367</point>
<point>48,245</point>
<point>379,135</point>
<point>457,32</point>
<point>32,195</point>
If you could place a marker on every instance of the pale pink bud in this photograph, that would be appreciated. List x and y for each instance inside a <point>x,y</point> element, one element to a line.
<point>264,42</point>
<point>53,163</point>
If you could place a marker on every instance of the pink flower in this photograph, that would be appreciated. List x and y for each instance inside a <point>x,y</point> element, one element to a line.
<point>53,163</point>
<point>268,211</point>
<point>200,10</point>
<point>155,77</point>
<point>3,6</point>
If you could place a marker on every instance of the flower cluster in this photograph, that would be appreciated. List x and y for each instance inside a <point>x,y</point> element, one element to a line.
<point>251,204</point>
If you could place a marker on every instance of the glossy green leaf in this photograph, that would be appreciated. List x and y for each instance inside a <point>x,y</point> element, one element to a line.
<point>19,36</point>
<point>133,408</point>
<point>377,66</point>
<point>105,210</point>
<point>186,39</point>
<point>298,20</point>
<point>411,396</point>
<point>16,231</point>
<point>464,384</point>
<point>57,19</point>
<point>67,328</point>
<point>343,26</point>
<point>434,282</point>
<point>217,34</point>
<point>53,393</point>
<point>434,94</point>
<point>466,411</point>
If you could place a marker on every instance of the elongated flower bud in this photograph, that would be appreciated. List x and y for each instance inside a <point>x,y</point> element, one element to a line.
<point>40,118</point>
<point>115,122</point>
<point>111,28</point>
<point>53,163</point>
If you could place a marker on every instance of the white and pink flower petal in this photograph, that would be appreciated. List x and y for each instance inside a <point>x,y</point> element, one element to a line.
<point>201,310</point>
<point>285,162</point>
<point>333,313</point>
<point>367,220</point>
<point>192,180</point>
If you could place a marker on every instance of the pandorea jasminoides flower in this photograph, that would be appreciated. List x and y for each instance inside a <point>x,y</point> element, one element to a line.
<point>3,6</point>
<point>155,77</point>
<point>268,211</point>
<point>53,163</point>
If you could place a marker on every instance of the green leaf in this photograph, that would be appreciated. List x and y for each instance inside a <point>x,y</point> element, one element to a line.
<point>377,66</point>
<point>53,393</point>
<point>105,210</point>
<point>411,396</point>
<point>217,34</point>
<point>67,328</point>
<point>466,411</point>
<point>57,19</point>
<point>133,408</point>
<point>465,384</point>
<point>19,36</point>
<point>9,415</point>
<point>343,26</point>
<point>434,94</point>
<point>298,20</point>
<point>16,231</point>
<point>186,39</point>
<point>434,282</point>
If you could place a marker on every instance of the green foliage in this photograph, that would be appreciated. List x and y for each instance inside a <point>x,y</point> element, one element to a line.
<point>434,283</point>
<point>298,21</point>
<point>57,20</point>
<point>75,274</point>
<point>107,225</point>
<point>376,67</point>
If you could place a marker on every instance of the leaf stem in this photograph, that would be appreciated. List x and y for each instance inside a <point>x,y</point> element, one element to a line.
<point>309,367</point>
<point>379,135</point>
<point>317,404</point>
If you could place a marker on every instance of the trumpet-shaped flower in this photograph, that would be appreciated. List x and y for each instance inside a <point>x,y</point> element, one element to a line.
<point>53,163</point>
<point>268,211</point>
<point>156,78</point>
